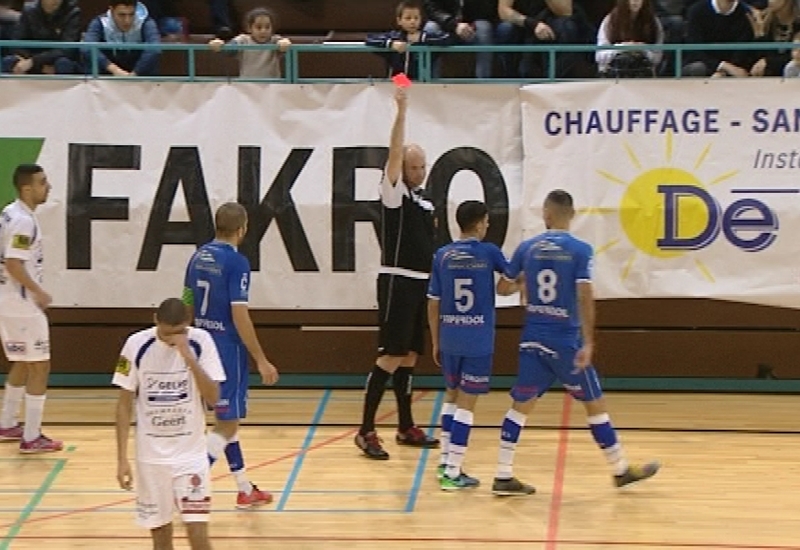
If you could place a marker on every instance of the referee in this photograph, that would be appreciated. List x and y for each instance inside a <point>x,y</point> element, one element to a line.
<point>407,247</point>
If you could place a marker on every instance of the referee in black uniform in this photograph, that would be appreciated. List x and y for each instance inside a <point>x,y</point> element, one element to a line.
<point>407,248</point>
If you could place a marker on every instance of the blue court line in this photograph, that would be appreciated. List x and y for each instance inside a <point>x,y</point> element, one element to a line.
<point>37,497</point>
<point>119,492</point>
<point>298,461</point>
<point>423,458</point>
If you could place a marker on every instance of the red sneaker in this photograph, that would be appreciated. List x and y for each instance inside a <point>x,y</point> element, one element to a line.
<point>257,497</point>
<point>414,437</point>
<point>41,444</point>
<point>13,433</point>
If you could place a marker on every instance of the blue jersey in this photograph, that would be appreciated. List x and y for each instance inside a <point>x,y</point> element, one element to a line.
<point>553,263</point>
<point>462,279</point>
<point>217,277</point>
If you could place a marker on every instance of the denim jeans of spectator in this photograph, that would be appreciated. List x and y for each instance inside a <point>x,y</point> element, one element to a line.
<point>220,14</point>
<point>516,65</point>
<point>484,35</point>
<point>62,65</point>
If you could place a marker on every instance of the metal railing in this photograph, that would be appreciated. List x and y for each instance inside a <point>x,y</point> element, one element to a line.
<point>293,56</point>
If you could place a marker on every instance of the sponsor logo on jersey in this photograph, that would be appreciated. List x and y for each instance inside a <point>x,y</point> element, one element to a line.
<point>123,366</point>
<point>21,242</point>
<point>16,347</point>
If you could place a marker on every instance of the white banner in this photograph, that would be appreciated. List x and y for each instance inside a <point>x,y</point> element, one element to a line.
<point>310,157</point>
<point>685,188</point>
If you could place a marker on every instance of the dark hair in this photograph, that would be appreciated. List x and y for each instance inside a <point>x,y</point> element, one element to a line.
<point>23,174</point>
<point>624,26</point>
<point>129,3</point>
<point>230,218</point>
<point>469,214</point>
<point>172,312</point>
<point>255,13</point>
<point>560,198</point>
<point>408,5</point>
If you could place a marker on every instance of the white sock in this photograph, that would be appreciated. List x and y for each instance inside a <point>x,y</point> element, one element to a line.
<point>34,411</point>
<point>456,457</point>
<point>242,482</point>
<point>508,444</point>
<point>12,399</point>
<point>448,409</point>
<point>216,445</point>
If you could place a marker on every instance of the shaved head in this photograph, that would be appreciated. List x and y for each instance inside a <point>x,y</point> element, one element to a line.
<point>230,218</point>
<point>413,165</point>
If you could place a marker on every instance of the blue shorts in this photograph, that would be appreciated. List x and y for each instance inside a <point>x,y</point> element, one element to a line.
<point>469,374</point>
<point>232,404</point>
<point>542,364</point>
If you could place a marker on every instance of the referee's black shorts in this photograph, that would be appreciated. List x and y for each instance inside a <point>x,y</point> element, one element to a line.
<point>402,307</point>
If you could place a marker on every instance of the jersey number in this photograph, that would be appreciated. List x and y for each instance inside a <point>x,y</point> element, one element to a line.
<point>206,286</point>
<point>547,281</point>
<point>464,296</point>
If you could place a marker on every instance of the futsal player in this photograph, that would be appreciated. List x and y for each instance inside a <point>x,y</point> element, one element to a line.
<point>461,316</point>
<point>557,342</point>
<point>217,288</point>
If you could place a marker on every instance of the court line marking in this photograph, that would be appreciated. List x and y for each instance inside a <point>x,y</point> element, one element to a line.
<point>461,540</point>
<point>423,457</point>
<point>129,511</point>
<point>320,445</point>
<point>298,461</point>
<point>85,491</point>
<point>558,476</point>
<point>36,498</point>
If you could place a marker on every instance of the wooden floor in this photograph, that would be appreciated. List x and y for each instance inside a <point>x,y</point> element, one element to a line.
<point>730,478</point>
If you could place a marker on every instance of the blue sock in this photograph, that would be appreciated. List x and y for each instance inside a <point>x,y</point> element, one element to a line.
<point>233,452</point>
<point>448,410</point>
<point>606,438</point>
<point>462,423</point>
<point>509,436</point>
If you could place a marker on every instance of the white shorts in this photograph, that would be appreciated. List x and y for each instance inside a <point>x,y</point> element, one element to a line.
<point>25,333</point>
<point>163,489</point>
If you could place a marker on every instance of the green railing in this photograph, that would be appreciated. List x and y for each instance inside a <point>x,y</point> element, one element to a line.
<point>295,53</point>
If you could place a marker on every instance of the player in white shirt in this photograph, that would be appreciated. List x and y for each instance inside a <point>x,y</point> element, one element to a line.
<point>171,371</point>
<point>24,329</point>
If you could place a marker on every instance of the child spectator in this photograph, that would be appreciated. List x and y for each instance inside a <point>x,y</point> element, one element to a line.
<point>792,68</point>
<point>409,21</point>
<point>630,22</point>
<point>46,21</point>
<point>125,22</point>
<point>258,63</point>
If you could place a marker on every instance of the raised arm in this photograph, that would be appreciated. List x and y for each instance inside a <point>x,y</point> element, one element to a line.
<point>394,165</point>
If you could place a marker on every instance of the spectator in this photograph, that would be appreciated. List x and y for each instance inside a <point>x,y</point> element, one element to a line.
<point>172,27</point>
<point>792,68</point>
<point>46,21</point>
<point>776,22</point>
<point>719,22</point>
<point>9,16</point>
<point>540,22</point>
<point>264,63</point>
<point>409,19</point>
<point>469,22</point>
<point>125,22</point>
<point>630,22</point>
<point>221,18</point>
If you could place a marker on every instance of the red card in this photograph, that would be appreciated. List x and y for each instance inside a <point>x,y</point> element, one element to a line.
<point>401,80</point>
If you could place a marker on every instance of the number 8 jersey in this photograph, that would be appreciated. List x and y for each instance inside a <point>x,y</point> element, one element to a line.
<point>462,279</point>
<point>553,264</point>
<point>217,277</point>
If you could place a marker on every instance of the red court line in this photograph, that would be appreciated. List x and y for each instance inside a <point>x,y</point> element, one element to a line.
<point>462,540</point>
<point>558,481</point>
<point>281,458</point>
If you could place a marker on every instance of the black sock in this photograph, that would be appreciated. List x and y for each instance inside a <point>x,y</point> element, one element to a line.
<point>376,385</point>
<point>401,380</point>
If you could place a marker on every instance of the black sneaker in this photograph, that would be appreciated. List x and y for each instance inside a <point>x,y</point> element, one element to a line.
<point>511,487</point>
<point>370,445</point>
<point>637,473</point>
<point>414,437</point>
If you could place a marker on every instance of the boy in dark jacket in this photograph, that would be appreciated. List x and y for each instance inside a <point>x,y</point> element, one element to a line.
<point>46,21</point>
<point>399,58</point>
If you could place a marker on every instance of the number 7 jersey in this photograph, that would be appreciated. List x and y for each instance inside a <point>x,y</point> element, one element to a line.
<point>554,263</point>
<point>217,277</point>
<point>462,279</point>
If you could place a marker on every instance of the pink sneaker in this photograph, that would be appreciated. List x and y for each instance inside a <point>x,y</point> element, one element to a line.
<point>13,433</point>
<point>256,497</point>
<point>41,444</point>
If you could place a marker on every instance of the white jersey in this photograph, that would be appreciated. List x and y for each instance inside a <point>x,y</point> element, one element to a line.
<point>170,412</point>
<point>20,238</point>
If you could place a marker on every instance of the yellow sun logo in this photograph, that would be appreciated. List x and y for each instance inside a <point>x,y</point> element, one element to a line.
<point>668,211</point>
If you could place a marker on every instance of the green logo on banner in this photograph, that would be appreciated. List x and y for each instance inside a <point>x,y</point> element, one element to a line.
<point>15,151</point>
